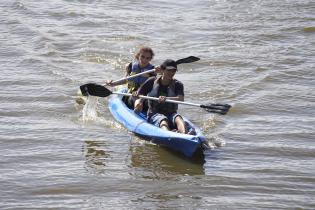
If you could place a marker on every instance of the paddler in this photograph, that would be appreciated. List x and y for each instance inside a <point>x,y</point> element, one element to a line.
<point>141,64</point>
<point>164,86</point>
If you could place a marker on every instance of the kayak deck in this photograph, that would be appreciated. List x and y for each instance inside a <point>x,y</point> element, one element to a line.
<point>184,143</point>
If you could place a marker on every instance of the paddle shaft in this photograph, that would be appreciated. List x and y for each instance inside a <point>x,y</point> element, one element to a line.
<point>131,77</point>
<point>156,99</point>
<point>189,59</point>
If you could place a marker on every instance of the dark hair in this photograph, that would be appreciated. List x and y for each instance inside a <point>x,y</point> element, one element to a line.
<point>169,64</point>
<point>143,50</point>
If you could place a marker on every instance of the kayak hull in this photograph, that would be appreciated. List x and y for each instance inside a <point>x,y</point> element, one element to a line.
<point>183,143</point>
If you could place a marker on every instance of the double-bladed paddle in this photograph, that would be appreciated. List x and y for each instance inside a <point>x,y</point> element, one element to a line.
<point>101,91</point>
<point>189,59</point>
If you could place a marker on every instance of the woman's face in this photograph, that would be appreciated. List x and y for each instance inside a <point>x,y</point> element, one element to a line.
<point>144,59</point>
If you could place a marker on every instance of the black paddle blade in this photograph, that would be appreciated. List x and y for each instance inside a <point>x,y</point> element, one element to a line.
<point>189,59</point>
<point>94,90</point>
<point>217,108</point>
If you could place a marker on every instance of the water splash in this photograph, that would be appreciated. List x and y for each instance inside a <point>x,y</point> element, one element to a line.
<point>213,140</point>
<point>89,111</point>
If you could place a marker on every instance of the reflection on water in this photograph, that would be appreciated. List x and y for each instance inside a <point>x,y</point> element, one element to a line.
<point>155,162</point>
<point>95,156</point>
<point>146,160</point>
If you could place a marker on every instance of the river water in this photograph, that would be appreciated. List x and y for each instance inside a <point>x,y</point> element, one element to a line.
<point>257,56</point>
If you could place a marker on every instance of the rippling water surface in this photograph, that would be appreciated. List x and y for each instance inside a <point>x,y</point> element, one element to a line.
<point>256,55</point>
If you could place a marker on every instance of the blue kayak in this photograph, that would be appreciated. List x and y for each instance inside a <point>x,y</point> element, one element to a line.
<point>189,145</point>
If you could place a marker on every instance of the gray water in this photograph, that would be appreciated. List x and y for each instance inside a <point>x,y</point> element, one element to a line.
<point>255,55</point>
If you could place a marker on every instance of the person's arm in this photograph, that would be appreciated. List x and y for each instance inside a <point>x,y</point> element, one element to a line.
<point>112,84</point>
<point>179,90</point>
<point>144,89</point>
<point>157,70</point>
<point>128,71</point>
<point>162,99</point>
